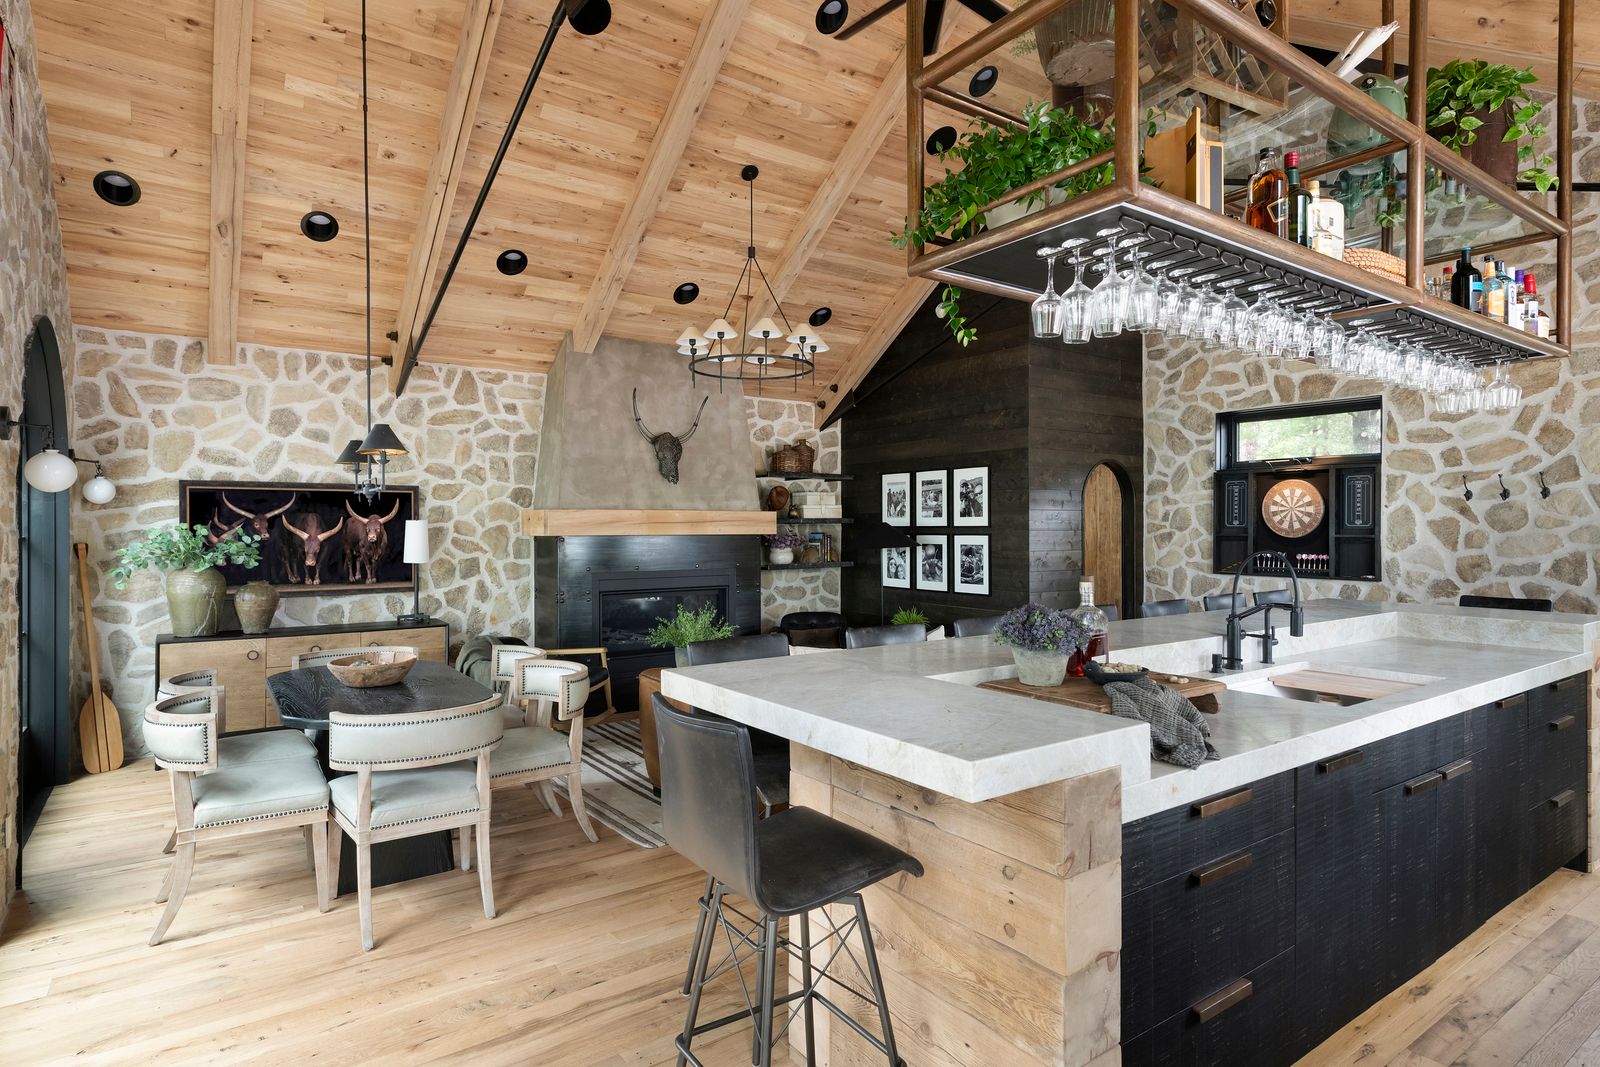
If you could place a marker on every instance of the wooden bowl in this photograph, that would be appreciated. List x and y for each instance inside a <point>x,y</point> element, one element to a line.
<point>372,669</point>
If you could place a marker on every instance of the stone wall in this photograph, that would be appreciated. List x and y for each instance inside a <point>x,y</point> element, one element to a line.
<point>775,423</point>
<point>33,283</point>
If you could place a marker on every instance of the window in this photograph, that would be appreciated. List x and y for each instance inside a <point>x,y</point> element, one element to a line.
<point>1304,432</point>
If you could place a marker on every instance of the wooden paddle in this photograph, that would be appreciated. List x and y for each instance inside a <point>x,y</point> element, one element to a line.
<point>99,728</point>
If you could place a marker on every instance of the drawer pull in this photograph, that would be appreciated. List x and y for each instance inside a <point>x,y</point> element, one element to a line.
<point>1567,683</point>
<point>1222,1000</point>
<point>1424,782</point>
<point>1216,872</point>
<point>1563,722</point>
<point>1339,763</point>
<point>1217,805</point>
<point>252,655</point>
<point>1562,799</point>
<point>315,648</point>
<point>1455,770</point>
<point>1520,698</point>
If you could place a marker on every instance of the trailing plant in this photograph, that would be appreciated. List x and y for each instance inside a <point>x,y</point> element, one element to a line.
<point>1462,89</point>
<point>185,548</point>
<point>687,627</point>
<point>907,616</point>
<point>1036,628</point>
<point>783,539</point>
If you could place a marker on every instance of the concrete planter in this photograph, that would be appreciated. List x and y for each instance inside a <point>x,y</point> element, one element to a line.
<point>256,603</point>
<point>194,601</point>
<point>1039,668</point>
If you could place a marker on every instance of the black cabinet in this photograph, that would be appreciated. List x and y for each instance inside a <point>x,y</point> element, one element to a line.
<point>1246,1021</point>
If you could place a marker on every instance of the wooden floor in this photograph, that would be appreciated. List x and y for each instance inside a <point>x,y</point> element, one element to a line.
<point>581,968</point>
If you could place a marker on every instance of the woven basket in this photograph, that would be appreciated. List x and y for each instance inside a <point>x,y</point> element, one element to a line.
<point>797,458</point>
<point>1375,262</point>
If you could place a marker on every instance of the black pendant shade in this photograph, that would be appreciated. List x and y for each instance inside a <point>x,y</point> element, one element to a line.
<point>381,441</point>
<point>352,453</point>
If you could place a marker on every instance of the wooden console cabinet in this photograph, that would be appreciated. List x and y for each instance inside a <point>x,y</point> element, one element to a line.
<point>243,662</point>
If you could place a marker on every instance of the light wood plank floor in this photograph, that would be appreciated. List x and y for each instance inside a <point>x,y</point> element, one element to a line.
<point>581,968</point>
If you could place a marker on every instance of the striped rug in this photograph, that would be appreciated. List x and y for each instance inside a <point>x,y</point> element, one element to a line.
<point>615,789</point>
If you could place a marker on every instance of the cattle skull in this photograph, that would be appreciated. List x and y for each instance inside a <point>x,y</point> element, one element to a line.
<point>669,447</point>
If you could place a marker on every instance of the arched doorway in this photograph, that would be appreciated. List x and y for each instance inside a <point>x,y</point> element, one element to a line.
<point>44,647</point>
<point>1109,556</point>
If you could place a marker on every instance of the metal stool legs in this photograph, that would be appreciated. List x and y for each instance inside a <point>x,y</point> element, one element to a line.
<point>704,904</point>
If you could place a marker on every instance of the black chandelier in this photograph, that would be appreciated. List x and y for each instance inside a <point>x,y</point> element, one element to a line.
<point>755,353</point>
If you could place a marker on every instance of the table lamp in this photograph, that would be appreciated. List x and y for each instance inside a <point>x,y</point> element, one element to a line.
<point>416,553</point>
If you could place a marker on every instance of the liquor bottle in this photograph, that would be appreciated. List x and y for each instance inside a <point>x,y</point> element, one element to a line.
<point>1447,283</point>
<point>1292,212</point>
<point>1509,284</point>
<point>1461,282</point>
<point>1325,222</point>
<point>1515,307</point>
<point>1494,291</point>
<point>1266,189</point>
<point>1531,314</point>
<point>1095,621</point>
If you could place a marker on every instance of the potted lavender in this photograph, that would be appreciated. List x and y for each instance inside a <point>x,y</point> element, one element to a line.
<point>782,546</point>
<point>1041,640</point>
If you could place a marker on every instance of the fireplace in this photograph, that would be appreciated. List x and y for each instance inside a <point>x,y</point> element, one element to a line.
<point>609,591</point>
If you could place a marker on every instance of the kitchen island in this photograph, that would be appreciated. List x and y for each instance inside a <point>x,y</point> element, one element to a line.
<point>1011,948</point>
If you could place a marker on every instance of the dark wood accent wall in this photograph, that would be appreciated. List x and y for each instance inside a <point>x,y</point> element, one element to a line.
<point>1038,415</point>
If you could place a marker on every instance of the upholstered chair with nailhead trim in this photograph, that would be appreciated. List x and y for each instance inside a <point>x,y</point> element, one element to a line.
<point>213,798</point>
<point>502,666</point>
<point>538,753</point>
<point>415,774</point>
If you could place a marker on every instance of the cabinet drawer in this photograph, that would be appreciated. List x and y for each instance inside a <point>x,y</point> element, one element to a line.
<point>1558,735</point>
<point>427,640</point>
<point>1175,842</point>
<point>1405,756</point>
<point>1557,831</point>
<point>1242,1021</point>
<point>281,651</point>
<point>1193,933</point>
<point>241,671</point>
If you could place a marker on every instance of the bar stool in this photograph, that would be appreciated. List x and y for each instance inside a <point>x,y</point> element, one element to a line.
<point>791,863</point>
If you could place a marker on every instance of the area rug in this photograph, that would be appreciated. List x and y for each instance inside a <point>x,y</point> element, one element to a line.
<point>615,788</point>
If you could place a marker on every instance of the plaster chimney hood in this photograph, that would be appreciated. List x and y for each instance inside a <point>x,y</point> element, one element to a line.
<point>597,476</point>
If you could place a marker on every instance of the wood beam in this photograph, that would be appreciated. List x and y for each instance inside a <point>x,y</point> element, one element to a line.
<point>230,109</point>
<point>879,336</point>
<point>710,48</point>
<point>473,50</point>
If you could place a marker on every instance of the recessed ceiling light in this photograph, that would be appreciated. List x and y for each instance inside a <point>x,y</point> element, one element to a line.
<point>941,140</point>
<point>821,316</point>
<point>319,226</point>
<point>116,188</point>
<point>831,16</point>
<point>686,293</point>
<point>511,261</point>
<point>592,17</point>
<point>984,80</point>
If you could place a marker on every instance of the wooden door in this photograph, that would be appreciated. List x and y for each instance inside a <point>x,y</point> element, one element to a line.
<point>1102,536</point>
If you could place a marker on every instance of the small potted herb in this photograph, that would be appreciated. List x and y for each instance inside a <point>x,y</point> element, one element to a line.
<point>1483,111</point>
<point>1041,640</point>
<point>190,555</point>
<point>907,616</point>
<point>687,627</point>
<point>782,546</point>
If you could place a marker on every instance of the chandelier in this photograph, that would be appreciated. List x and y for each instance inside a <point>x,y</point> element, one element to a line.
<point>759,352</point>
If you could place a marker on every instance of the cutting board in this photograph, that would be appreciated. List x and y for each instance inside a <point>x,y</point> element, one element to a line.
<point>1082,693</point>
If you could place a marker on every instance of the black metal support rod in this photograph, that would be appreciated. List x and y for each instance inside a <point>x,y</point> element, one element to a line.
<point>558,17</point>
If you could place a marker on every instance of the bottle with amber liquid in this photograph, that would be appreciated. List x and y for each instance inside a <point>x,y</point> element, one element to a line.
<point>1096,622</point>
<point>1268,187</point>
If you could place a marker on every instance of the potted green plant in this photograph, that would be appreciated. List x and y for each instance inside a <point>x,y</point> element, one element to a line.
<point>1041,640</point>
<point>190,556</point>
<point>782,546</point>
<point>906,616</point>
<point>687,627</point>
<point>1483,111</point>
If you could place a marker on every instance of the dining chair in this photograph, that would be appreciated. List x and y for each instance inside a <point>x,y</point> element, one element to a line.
<point>1151,609</point>
<point>320,658</point>
<point>599,663</point>
<point>502,661</point>
<point>1275,596</point>
<point>1224,602</point>
<point>979,626</point>
<point>213,799</point>
<point>538,753</point>
<point>415,773</point>
<point>910,633</point>
<point>1113,613</point>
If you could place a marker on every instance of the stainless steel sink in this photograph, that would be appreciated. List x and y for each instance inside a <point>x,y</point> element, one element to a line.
<point>1338,687</point>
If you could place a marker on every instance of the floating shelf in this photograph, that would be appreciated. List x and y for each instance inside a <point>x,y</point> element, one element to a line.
<point>784,476</point>
<point>815,522</point>
<point>806,566</point>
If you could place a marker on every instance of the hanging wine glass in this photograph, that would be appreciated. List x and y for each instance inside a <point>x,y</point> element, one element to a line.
<point>1110,297</point>
<point>1047,308</point>
<point>1501,394</point>
<point>1142,299</point>
<point>1077,325</point>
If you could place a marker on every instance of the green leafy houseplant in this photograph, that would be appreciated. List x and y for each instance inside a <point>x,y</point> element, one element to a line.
<point>687,627</point>
<point>185,548</point>
<point>1462,91</point>
<point>907,616</point>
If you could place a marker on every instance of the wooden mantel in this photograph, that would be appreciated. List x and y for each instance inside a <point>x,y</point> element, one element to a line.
<point>621,522</point>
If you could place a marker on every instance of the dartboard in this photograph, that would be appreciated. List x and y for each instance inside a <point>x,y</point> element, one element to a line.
<point>1292,508</point>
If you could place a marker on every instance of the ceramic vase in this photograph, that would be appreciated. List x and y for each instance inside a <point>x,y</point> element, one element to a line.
<point>256,603</point>
<point>194,601</point>
<point>1039,668</point>
<point>680,657</point>
<point>779,557</point>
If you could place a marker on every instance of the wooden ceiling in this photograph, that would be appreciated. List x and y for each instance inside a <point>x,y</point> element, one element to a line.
<point>622,181</point>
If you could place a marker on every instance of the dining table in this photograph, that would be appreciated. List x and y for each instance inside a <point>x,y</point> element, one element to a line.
<point>305,699</point>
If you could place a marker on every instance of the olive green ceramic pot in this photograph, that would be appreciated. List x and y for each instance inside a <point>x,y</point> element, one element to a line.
<point>256,602</point>
<point>194,601</point>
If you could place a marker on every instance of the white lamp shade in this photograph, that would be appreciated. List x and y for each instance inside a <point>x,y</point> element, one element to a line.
<point>721,330</point>
<point>802,338</point>
<point>690,338</point>
<point>793,352</point>
<point>816,345</point>
<point>416,546</point>
<point>50,472</point>
<point>99,490</point>
<point>766,329</point>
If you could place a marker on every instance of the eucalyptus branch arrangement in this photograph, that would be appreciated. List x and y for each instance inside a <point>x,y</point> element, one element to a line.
<point>1461,90</point>
<point>185,548</point>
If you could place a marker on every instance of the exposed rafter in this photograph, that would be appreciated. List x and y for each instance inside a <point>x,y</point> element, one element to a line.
<point>711,45</point>
<point>471,69</point>
<point>879,336</point>
<point>230,110</point>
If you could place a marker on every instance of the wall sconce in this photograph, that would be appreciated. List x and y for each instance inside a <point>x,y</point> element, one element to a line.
<point>98,490</point>
<point>52,471</point>
<point>1505,494</point>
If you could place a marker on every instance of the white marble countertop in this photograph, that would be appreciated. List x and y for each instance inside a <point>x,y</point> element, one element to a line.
<point>913,712</point>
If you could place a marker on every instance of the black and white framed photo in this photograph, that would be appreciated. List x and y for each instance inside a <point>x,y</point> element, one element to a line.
<point>897,499</point>
<point>970,567</point>
<point>933,504</point>
<point>897,567</point>
<point>969,490</point>
<point>932,564</point>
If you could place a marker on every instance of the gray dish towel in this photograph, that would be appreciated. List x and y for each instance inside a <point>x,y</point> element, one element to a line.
<point>1178,731</point>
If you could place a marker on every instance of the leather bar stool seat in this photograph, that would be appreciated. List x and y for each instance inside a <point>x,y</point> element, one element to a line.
<point>910,633</point>
<point>978,626</point>
<point>807,860</point>
<point>1224,602</point>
